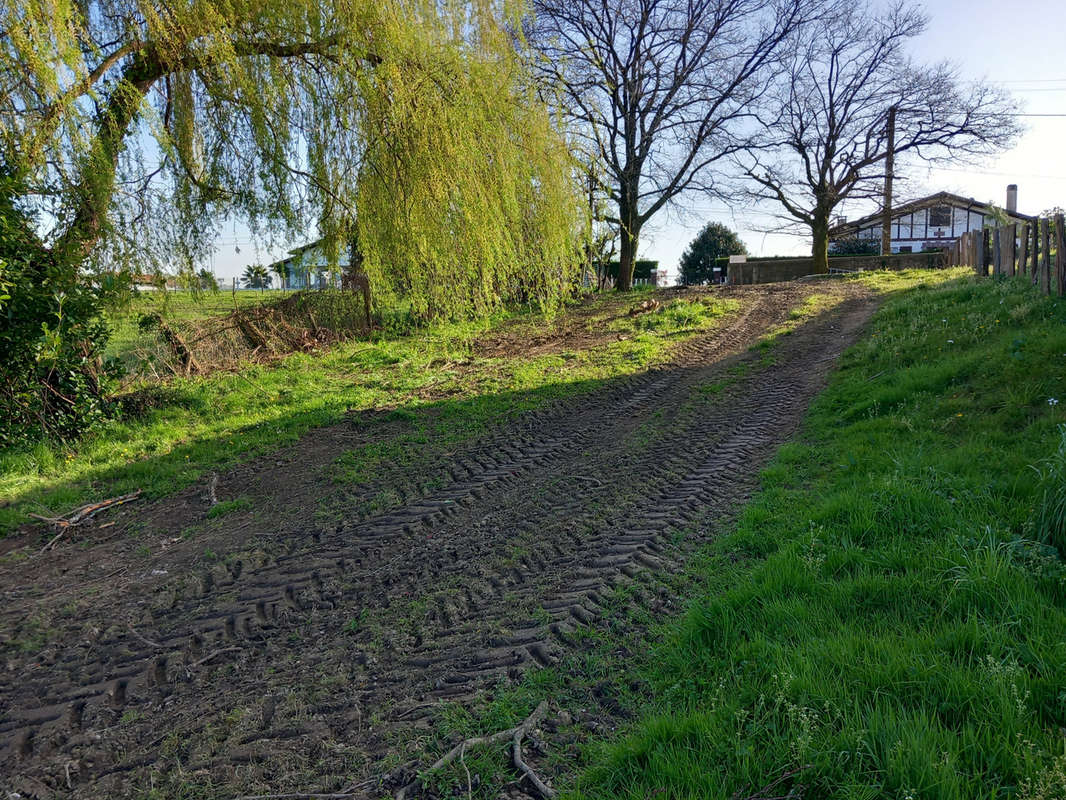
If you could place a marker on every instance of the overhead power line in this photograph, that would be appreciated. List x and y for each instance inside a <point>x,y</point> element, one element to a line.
<point>1018,80</point>
<point>1033,175</point>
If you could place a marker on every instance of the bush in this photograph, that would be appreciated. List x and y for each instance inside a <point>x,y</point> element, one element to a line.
<point>52,377</point>
<point>854,246</point>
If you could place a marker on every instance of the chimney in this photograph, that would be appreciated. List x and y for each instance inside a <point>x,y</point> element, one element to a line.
<point>1012,198</point>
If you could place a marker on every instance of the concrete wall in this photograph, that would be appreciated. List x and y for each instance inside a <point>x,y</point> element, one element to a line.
<point>787,269</point>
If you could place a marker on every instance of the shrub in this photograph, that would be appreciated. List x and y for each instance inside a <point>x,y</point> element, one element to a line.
<point>53,379</point>
<point>854,246</point>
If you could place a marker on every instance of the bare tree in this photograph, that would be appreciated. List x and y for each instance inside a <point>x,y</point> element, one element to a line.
<point>826,117</point>
<point>660,90</point>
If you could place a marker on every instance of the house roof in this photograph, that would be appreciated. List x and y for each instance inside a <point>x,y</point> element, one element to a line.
<point>938,199</point>
<point>294,254</point>
<point>298,250</point>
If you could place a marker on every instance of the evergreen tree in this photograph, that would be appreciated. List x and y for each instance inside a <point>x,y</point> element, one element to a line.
<point>699,260</point>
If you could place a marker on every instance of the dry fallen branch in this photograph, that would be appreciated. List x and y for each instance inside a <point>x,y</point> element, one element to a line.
<point>538,784</point>
<point>82,514</point>
<point>514,734</point>
<point>147,641</point>
<point>210,656</point>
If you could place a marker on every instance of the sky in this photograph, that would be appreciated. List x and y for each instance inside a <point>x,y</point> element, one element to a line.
<point>1018,45</point>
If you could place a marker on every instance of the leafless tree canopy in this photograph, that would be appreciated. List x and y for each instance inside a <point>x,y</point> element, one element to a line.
<point>825,117</point>
<point>661,90</point>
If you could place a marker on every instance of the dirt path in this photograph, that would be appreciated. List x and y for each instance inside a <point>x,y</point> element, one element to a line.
<point>299,658</point>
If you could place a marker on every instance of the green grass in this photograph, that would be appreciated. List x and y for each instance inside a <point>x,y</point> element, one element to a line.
<point>887,618</point>
<point>229,507</point>
<point>194,426</point>
<point>677,316</point>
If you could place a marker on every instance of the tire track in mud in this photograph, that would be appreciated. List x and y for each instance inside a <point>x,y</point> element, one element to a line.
<point>458,589</point>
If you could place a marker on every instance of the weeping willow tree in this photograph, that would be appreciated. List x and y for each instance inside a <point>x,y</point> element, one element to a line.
<point>133,127</point>
<point>494,179</point>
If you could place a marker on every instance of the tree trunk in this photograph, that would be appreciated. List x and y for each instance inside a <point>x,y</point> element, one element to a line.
<point>627,261</point>
<point>820,231</point>
<point>629,233</point>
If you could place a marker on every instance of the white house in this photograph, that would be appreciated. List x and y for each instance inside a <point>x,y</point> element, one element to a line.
<point>930,223</point>
<point>307,267</point>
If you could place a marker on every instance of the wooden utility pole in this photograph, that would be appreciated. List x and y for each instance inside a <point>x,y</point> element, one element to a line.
<point>890,162</point>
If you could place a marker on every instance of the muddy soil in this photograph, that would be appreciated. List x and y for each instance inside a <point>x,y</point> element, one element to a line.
<point>305,650</point>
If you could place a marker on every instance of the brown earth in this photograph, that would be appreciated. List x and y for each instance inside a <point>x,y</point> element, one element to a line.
<point>310,646</point>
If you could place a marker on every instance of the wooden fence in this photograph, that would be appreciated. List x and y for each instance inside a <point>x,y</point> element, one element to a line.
<point>1036,250</point>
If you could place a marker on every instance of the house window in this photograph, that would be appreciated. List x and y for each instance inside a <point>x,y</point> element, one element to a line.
<point>940,216</point>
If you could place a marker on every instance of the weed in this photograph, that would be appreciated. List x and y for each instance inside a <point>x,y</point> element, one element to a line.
<point>229,507</point>
<point>355,623</point>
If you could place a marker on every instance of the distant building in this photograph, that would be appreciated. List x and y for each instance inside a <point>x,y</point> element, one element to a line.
<point>145,282</point>
<point>307,267</point>
<point>931,223</point>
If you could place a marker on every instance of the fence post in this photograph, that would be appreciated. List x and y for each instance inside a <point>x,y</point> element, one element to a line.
<point>1023,257</point>
<point>1060,255</point>
<point>997,252</point>
<point>1011,236</point>
<point>1045,256</point>
<point>1034,254</point>
<point>982,247</point>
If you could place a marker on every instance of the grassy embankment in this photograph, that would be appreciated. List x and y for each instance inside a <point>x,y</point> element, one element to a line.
<point>887,618</point>
<point>197,425</point>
